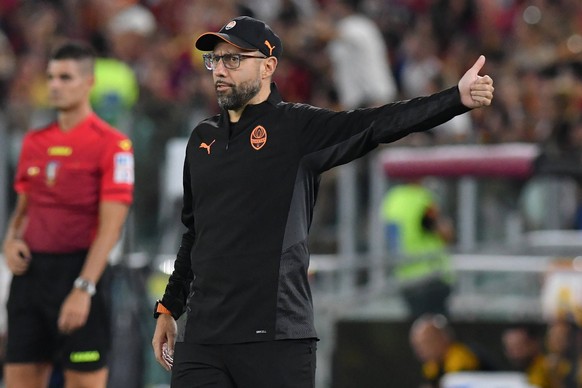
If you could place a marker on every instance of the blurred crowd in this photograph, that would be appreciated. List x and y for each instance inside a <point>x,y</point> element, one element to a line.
<point>533,50</point>
<point>546,356</point>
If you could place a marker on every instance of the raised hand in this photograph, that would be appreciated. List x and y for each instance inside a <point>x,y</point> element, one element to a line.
<point>476,91</point>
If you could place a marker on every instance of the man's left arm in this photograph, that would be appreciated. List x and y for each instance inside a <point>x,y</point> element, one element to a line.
<point>334,138</point>
<point>422,113</point>
<point>75,308</point>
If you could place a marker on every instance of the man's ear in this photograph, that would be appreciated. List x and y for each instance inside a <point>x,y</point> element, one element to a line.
<point>270,64</point>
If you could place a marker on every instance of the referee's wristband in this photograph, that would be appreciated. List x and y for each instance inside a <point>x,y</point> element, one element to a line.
<point>160,309</point>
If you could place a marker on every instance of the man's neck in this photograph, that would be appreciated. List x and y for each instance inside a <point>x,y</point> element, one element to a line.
<point>234,115</point>
<point>69,119</point>
<point>262,96</point>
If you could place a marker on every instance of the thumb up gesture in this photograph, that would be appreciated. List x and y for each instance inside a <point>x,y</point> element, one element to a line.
<point>476,91</point>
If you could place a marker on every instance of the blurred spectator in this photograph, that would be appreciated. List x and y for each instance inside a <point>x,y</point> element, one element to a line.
<point>27,104</point>
<point>436,347</point>
<point>129,31</point>
<point>115,91</point>
<point>419,62</point>
<point>297,75</point>
<point>358,55</point>
<point>523,350</point>
<point>39,26</point>
<point>157,119</point>
<point>37,29</point>
<point>7,65</point>
<point>561,355</point>
<point>357,64</point>
<point>417,236</point>
<point>451,18</point>
<point>272,9</point>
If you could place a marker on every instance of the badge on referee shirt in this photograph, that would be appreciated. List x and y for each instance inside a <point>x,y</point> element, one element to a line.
<point>123,168</point>
<point>51,172</point>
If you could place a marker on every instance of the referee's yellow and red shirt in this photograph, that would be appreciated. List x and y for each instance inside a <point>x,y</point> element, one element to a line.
<point>65,175</point>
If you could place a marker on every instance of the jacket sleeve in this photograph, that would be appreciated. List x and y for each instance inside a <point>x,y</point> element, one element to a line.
<point>178,287</point>
<point>419,114</point>
<point>329,139</point>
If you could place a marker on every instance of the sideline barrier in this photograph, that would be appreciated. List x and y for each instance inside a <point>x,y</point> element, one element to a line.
<point>485,380</point>
<point>514,160</point>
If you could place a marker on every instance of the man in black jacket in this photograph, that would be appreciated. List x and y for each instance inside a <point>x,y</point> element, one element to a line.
<point>250,182</point>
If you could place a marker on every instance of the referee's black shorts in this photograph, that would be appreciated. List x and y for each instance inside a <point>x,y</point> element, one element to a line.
<point>33,309</point>
<point>270,364</point>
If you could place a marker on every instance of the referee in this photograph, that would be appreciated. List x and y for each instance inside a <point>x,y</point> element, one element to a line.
<point>74,182</point>
<point>251,177</point>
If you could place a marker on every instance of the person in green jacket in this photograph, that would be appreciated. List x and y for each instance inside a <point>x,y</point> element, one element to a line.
<point>417,238</point>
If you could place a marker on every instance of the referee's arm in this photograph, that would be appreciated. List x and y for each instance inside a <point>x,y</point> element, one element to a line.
<point>16,252</point>
<point>75,308</point>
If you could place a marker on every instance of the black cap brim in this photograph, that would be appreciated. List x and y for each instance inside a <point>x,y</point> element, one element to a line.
<point>208,40</point>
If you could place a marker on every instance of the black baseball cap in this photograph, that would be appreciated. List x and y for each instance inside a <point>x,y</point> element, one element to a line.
<point>246,33</point>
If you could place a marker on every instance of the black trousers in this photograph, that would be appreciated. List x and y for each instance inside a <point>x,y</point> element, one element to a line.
<point>270,364</point>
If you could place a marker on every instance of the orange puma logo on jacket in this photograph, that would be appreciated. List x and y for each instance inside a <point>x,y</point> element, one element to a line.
<point>207,146</point>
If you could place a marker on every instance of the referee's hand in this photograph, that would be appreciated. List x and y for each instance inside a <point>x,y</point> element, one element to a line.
<point>17,256</point>
<point>74,311</point>
<point>164,340</point>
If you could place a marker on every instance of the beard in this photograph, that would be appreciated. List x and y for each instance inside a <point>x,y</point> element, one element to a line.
<point>239,96</point>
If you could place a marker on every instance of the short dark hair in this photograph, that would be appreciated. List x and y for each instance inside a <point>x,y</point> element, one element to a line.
<point>77,51</point>
<point>74,50</point>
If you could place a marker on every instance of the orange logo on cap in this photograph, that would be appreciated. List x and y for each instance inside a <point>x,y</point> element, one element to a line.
<point>230,25</point>
<point>258,137</point>
<point>271,48</point>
